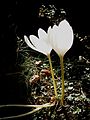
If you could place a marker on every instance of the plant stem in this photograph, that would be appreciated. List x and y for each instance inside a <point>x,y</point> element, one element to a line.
<point>53,79</point>
<point>34,106</point>
<point>62,75</point>
<point>38,107</point>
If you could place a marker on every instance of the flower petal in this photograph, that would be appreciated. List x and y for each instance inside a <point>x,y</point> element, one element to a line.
<point>54,37</point>
<point>42,34</point>
<point>66,34</point>
<point>49,29</point>
<point>28,43</point>
<point>62,37</point>
<point>49,34</point>
<point>41,45</point>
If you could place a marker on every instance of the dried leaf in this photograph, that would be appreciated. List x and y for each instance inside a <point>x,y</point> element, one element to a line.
<point>45,72</point>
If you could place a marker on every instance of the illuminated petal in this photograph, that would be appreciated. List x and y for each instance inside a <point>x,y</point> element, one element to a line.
<point>41,45</point>
<point>28,43</point>
<point>42,34</point>
<point>52,34</point>
<point>62,37</point>
<point>67,33</point>
<point>49,29</point>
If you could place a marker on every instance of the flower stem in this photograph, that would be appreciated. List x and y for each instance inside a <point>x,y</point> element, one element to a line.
<point>62,75</point>
<point>53,79</point>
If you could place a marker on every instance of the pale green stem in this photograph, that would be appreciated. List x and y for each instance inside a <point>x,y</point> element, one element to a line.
<point>19,105</point>
<point>62,75</point>
<point>53,79</point>
<point>21,115</point>
<point>38,107</point>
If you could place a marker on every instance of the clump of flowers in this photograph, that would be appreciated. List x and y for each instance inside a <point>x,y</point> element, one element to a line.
<point>60,39</point>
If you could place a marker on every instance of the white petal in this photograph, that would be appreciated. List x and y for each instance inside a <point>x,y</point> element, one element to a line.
<point>64,23</point>
<point>41,45</point>
<point>66,34</point>
<point>49,29</point>
<point>28,43</point>
<point>42,34</point>
<point>55,37</point>
<point>63,36</point>
<point>49,34</point>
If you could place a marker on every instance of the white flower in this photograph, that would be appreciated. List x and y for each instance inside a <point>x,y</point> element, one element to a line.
<point>40,43</point>
<point>61,37</point>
